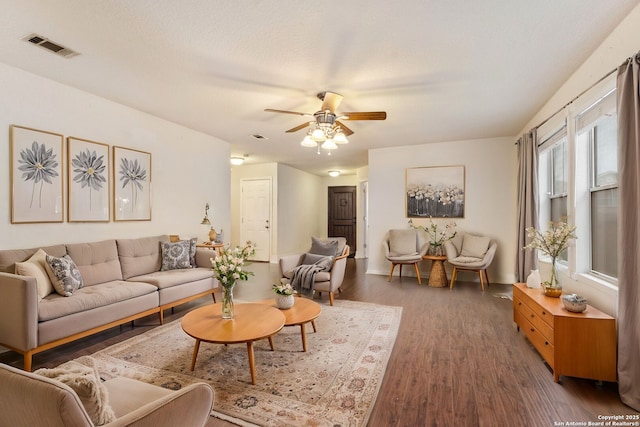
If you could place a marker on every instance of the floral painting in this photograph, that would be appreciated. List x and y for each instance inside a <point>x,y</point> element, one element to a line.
<point>435,192</point>
<point>88,180</point>
<point>36,176</point>
<point>132,184</point>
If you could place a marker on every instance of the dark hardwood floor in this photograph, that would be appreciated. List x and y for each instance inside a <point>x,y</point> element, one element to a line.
<point>458,359</point>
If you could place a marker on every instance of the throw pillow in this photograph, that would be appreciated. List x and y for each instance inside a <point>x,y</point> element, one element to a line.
<point>64,274</point>
<point>175,255</point>
<point>85,382</point>
<point>321,260</point>
<point>320,247</point>
<point>474,246</point>
<point>35,267</point>
<point>402,242</point>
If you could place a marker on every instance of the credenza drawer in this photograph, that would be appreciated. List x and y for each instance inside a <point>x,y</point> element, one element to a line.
<point>544,347</point>
<point>535,319</point>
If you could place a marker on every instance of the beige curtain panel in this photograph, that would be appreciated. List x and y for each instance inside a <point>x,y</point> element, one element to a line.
<point>628,93</point>
<point>526,260</point>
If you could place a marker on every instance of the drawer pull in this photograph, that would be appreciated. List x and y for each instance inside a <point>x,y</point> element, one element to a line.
<point>533,330</point>
<point>519,303</point>
<point>544,312</point>
<point>533,315</point>
<point>546,343</point>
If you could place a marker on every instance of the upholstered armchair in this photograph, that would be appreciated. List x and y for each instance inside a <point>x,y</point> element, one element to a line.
<point>324,281</point>
<point>470,252</point>
<point>30,399</point>
<point>404,246</point>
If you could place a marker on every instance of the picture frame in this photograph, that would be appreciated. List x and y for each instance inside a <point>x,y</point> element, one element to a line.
<point>36,160</point>
<point>435,192</point>
<point>131,184</point>
<point>88,181</point>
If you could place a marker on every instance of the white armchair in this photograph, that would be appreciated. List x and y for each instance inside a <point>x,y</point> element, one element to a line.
<point>404,246</point>
<point>470,252</point>
<point>324,281</point>
<point>29,399</point>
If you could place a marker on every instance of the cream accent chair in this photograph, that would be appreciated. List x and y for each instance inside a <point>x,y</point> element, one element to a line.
<point>325,281</point>
<point>470,252</point>
<point>28,399</point>
<point>404,246</point>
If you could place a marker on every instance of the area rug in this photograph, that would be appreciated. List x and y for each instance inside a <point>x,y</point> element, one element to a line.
<point>335,383</point>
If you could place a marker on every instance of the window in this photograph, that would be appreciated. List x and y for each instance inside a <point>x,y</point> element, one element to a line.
<point>578,179</point>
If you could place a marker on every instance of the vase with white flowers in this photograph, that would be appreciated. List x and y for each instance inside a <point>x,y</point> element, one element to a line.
<point>284,295</point>
<point>437,237</point>
<point>552,242</point>
<point>228,268</point>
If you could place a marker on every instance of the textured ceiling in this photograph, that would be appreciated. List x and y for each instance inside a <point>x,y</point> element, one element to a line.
<point>442,70</point>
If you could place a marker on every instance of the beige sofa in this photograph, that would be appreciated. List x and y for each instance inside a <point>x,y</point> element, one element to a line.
<point>122,279</point>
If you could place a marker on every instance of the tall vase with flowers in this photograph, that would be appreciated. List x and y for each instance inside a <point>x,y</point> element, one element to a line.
<point>228,268</point>
<point>437,237</point>
<point>552,242</point>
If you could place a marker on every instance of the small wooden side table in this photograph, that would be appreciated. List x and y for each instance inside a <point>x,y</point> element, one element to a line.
<point>214,246</point>
<point>438,275</point>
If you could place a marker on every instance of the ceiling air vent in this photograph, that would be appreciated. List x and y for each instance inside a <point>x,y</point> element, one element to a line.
<point>47,44</point>
<point>258,136</point>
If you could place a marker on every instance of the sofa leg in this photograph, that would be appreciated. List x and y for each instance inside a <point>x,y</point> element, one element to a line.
<point>161,316</point>
<point>27,359</point>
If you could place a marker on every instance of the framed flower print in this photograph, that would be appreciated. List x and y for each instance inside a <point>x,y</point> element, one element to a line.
<point>87,181</point>
<point>36,175</point>
<point>435,192</point>
<point>131,184</point>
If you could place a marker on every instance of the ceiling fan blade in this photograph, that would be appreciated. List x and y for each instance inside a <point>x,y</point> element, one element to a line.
<point>362,115</point>
<point>345,129</point>
<point>271,110</point>
<point>330,101</point>
<point>297,128</point>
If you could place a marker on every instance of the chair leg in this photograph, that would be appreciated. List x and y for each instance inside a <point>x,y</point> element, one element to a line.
<point>400,275</point>
<point>391,271</point>
<point>481,279</point>
<point>453,277</point>
<point>331,299</point>
<point>415,266</point>
<point>486,276</point>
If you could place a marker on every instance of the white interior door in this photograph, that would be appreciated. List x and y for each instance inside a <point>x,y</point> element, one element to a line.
<point>256,215</point>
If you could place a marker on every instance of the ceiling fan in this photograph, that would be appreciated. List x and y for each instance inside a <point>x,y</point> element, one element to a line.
<point>327,128</point>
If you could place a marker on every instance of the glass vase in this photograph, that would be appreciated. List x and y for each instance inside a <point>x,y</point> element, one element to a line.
<point>436,250</point>
<point>553,288</point>
<point>227,301</point>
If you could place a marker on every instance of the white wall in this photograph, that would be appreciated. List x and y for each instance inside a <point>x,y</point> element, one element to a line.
<point>622,43</point>
<point>188,168</point>
<point>490,196</point>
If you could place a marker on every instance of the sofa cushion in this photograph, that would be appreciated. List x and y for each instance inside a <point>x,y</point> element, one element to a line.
<point>86,383</point>
<point>474,246</point>
<point>175,255</point>
<point>64,274</point>
<point>54,306</point>
<point>98,261</point>
<point>35,267</point>
<point>9,257</point>
<point>140,256</point>
<point>167,279</point>
<point>402,242</point>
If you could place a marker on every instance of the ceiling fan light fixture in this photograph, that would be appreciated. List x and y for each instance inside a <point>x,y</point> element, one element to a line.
<point>318,135</point>
<point>308,142</point>
<point>329,145</point>
<point>340,138</point>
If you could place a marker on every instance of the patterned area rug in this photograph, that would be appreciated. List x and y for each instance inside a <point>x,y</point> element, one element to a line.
<point>335,383</point>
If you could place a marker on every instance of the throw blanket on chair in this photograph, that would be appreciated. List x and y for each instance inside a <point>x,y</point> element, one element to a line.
<point>304,275</point>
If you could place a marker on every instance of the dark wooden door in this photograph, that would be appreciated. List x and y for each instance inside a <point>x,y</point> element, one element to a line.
<point>342,214</point>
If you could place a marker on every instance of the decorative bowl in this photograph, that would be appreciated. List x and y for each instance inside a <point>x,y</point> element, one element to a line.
<point>574,303</point>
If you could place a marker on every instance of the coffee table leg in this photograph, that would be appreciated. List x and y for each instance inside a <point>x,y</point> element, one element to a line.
<point>195,354</point>
<point>313,323</point>
<point>304,337</point>
<point>271,343</point>
<point>252,362</point>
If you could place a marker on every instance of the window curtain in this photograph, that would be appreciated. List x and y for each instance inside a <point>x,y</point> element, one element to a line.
<point>628,99</point>
<point>526,260</point>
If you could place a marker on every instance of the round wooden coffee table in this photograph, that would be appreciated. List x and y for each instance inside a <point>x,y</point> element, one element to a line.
<point>303,311</point>
<point>251,322</point>
<point>438,275</point>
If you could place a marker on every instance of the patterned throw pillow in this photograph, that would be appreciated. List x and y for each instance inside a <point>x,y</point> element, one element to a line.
<point>192,252</point>
<point>64,274</point>
<point>175,255</point>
